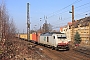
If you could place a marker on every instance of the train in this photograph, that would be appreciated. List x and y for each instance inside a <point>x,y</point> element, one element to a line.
<point>54,40</point>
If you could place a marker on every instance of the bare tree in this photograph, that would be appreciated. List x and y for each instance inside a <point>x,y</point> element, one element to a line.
<point>46,27</point>
<point>12,28</point>
<point>7,26</point>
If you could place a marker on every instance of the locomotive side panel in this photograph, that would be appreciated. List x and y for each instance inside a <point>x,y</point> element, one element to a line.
<point>43,40</point>
<point>49,41</point>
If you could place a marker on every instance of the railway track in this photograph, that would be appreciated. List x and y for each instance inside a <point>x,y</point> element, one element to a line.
<point>64,55</point>
<point>83,51</point>
<point>37,52</point>
<point>49,54</point>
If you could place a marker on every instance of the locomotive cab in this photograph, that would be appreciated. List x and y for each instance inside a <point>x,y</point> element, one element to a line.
<point>61,42</point>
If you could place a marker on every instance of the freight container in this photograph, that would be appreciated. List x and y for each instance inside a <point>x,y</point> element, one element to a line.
<point>35,37</point>
<point>23,36</point>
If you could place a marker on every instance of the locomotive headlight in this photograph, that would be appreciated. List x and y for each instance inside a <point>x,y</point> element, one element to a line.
<point>66,42</point>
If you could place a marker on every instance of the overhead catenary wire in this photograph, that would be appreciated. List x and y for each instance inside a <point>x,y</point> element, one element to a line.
<point>68,11</point>
<point>60,11</point>
<point>64,8</point>
<point>76,9</point>
<point>81,8</point>
<point>82,5</point>
<point>54,13</point>
<point>80,14</point>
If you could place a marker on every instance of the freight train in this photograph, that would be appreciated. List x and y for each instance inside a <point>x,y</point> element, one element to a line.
<point>54,40</point>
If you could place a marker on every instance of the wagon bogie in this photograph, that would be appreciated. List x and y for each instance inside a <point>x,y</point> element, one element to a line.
<point>56,49</point>
<point>53,48</point>
<point>67,48</point>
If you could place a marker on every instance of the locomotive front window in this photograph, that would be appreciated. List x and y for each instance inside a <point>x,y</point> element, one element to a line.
<point>61,37</point>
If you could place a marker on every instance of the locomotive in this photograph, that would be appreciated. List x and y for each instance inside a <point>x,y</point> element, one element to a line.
<point>55,40</point>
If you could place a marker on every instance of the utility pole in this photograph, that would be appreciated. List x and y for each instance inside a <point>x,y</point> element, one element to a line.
<point>45,25</point>
<point>40,26</point>
<point>72,23</point>
<point>28,23</point>
<point>72,35</point>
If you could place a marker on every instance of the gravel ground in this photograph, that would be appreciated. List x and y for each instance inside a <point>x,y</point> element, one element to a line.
<point>16,49</point>
<point>65,55</point>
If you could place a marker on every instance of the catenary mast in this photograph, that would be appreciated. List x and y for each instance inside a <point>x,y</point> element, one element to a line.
<point>28,22</point>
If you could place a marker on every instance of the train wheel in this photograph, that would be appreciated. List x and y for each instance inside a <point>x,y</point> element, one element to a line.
<point>56,48</point>
<point>67,48</point>
<point>53,48</point>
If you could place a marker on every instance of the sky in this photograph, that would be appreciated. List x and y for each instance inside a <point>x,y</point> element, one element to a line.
<point>56,11</point>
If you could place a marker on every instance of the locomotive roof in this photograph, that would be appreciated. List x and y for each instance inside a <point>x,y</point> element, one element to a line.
<point>50,33</point>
